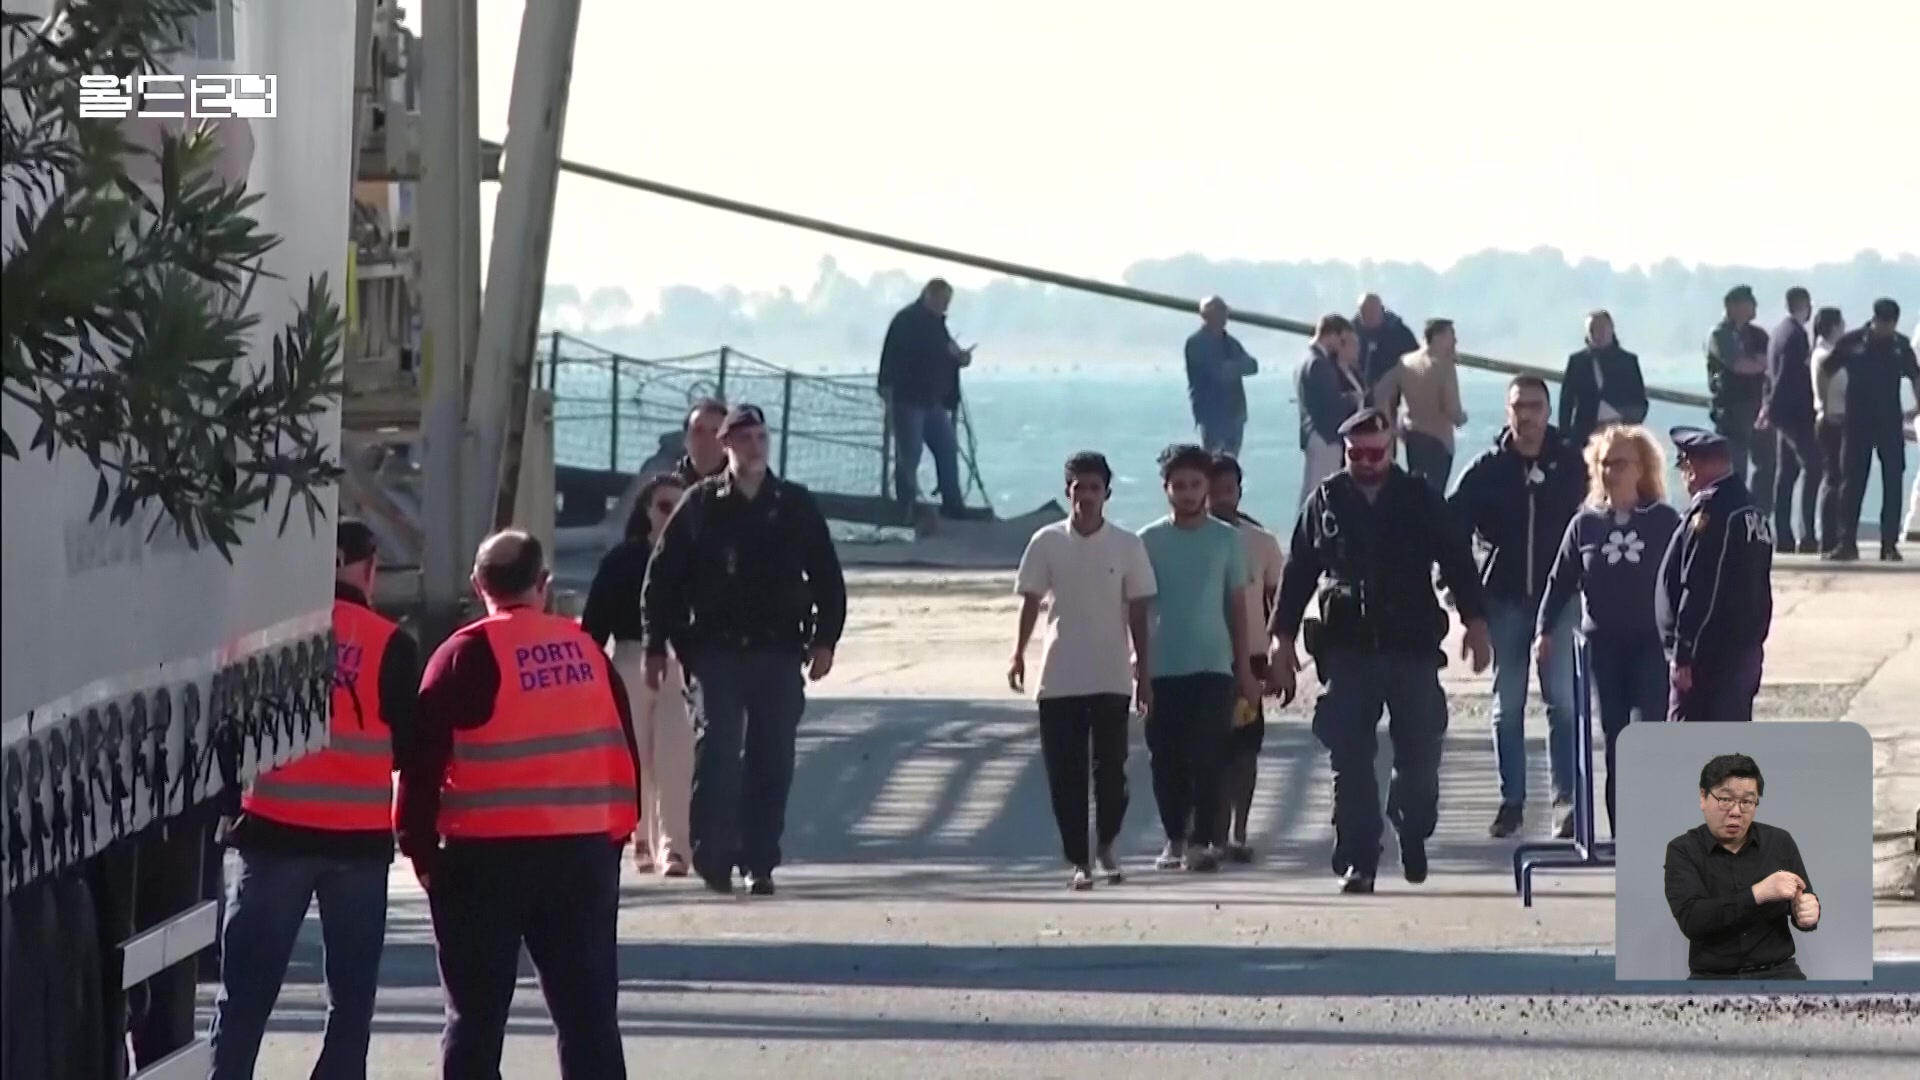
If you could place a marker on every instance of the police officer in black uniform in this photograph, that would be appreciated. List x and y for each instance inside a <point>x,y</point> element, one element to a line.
<point>1375,533</point>
<point>1715,603</point>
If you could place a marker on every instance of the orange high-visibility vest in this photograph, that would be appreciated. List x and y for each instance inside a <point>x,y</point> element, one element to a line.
<point>348,786</point>
<point>552,760</point>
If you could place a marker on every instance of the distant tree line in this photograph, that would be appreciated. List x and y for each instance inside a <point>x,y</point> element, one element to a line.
<point>1525,306</point>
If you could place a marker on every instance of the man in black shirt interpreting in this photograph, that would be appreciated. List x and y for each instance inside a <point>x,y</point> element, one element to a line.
<point>1376,532</point>
<point>1735,884</point>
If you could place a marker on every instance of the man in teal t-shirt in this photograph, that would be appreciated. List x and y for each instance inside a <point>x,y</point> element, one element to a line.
<point>1196,657</point>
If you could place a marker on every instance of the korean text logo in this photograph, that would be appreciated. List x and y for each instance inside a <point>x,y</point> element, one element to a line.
<point>205,97</point>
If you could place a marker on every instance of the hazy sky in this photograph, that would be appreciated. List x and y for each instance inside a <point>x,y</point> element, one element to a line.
<point>1082,135</point>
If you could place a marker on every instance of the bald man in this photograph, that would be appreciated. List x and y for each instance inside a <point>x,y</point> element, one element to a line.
<point>1384,339</point>
<point>515,797</point>
<point>1217,367</point>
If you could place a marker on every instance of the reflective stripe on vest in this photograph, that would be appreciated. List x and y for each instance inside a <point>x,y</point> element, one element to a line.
<point>347,787</point>
<point>552,760</point>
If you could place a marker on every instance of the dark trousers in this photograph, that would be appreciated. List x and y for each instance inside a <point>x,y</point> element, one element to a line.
<point>1222,434</point>
<point>266,908</point>
<point>1723,688</point>
<point>1187,735</point>
<point>1831,437</point>
<point>746,709</point>
<point>1799,457</point>
<point>1355,687</point>
<point>1863,442</point>
<point>1786,970</point>
<point>930,427</point>
<point>1749,446</point>
<point>1429,459</point>
<point>1079,735</point>
<point>559,897</point>
<point>1630,684</point>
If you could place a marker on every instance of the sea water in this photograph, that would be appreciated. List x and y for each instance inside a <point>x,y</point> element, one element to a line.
<point>1026,422</point>
<point>1025,426</point>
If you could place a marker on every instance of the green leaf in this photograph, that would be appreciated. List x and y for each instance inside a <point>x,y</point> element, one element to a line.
<point>129,311</point>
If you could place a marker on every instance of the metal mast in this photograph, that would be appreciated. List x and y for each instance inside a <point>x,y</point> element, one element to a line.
<point>474,350</point>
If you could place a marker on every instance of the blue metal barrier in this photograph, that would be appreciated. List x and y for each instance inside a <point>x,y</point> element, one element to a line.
<point>1583,852</point>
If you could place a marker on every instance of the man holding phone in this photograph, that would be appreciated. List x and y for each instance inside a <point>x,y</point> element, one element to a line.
<point>1736,885</point>
<point>919,383</point>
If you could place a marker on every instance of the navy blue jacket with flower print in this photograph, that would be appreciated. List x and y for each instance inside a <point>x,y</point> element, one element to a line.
<point>1613,561</point>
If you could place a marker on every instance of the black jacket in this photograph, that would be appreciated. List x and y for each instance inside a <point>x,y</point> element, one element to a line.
<point>1326,397</point>
<point>1378,559</point>
<point>917,366</point>
<point>1519,509</point>
<point>1875,368</point>
<point>1790,380</point>
<point>1382,347</point>
<point>1594,375</point>
<point>688,474</point>
<point>734,573</point>
<point>1716,580</point>
<point>612,612</point>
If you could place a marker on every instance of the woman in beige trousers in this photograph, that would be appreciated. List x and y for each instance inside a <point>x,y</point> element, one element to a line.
<point>661,724</point>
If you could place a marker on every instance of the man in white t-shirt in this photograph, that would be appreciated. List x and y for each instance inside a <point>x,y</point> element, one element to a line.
<point>1097,584</point>
<point>1264,563</point>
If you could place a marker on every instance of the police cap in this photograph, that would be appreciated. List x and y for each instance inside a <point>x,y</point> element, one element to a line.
<point>1697,442</point>
<point>1364,422</point>
<point>1740,294</point>
<point>354,541</point>
<point>741,418</point>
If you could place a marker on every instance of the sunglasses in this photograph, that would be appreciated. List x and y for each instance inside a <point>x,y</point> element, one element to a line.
<point>665,506</point>
<point>1368,454</point>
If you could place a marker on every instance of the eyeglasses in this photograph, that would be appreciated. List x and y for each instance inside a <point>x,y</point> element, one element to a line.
<point>1366,453</point>
<point>1728,802</point>
<point>666,506</point>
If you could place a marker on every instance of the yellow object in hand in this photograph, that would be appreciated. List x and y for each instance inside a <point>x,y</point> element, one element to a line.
<point>1244,713</point>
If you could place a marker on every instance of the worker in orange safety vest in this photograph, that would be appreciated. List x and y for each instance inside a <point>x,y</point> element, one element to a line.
<point>514,802</point>
<point>320,828</point>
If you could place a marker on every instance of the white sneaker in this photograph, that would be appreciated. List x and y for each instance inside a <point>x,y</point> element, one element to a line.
<point>1082,879</point>
<point>1172,857</point>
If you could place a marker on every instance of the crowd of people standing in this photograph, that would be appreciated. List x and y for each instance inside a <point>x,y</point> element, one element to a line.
<point>1553,511</point>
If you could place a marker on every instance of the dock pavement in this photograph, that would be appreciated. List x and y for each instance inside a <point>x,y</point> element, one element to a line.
<point>923,928</point>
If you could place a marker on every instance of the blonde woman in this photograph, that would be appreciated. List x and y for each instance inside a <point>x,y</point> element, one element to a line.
<point>1611,555</point>
<point>661,727</point>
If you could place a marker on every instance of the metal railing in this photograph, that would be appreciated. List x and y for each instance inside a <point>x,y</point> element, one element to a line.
<point>626,414</point>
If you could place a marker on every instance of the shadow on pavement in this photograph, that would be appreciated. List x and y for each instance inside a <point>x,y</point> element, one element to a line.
<point>1157,970</point>
<point>1722,1030</point>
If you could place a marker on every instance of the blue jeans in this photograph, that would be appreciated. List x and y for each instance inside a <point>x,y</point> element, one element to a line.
<point>929,426</point>
<point>1511,626</point>
<point>746,716</point>
<point>267,903</point>
<point>1630,683</point>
